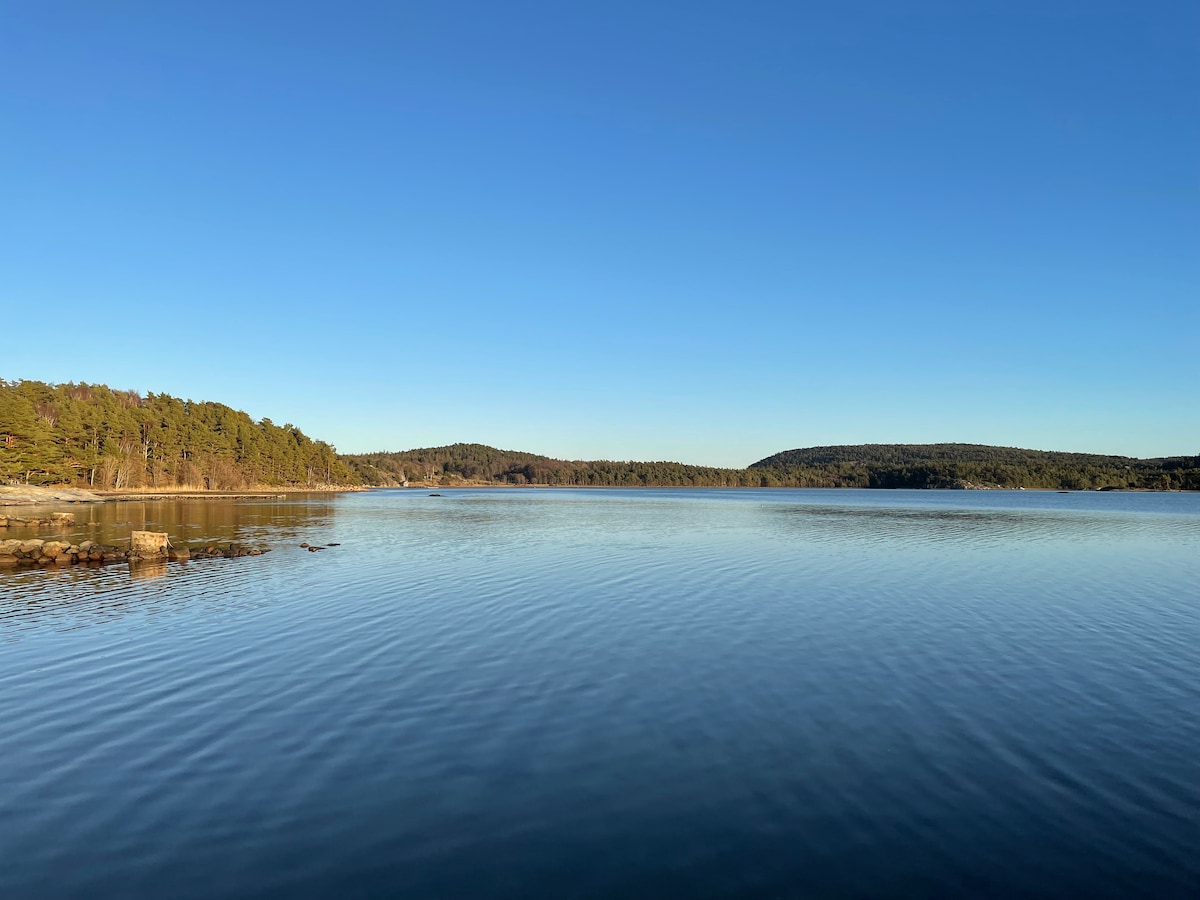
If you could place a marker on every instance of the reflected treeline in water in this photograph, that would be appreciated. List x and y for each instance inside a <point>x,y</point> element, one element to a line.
<point>148,569</point>
<point>496,523</point>
<point>504,520</point>
<point>881,524</point>
<point>72,596</point>
<point>191,521</point>
<point>67,598</point>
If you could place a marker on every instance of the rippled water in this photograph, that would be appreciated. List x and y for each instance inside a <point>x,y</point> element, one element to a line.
<point>614,693</point>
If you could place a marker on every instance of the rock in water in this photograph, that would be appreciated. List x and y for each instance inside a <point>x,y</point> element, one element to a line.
<point>148,544</point>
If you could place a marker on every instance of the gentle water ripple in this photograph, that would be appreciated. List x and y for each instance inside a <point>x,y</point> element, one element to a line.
<point>589,693</point>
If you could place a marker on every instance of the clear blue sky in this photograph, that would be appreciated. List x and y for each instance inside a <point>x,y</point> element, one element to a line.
<point>653,230</point>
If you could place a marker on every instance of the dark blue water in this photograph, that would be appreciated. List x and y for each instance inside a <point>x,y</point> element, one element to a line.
<point>615,693</point>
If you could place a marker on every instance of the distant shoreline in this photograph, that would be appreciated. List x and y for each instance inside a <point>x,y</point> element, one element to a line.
<point>32,495</point>
<point>488,485</point>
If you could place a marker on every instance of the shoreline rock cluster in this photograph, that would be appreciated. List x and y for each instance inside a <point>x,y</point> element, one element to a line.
<point>39,552</point>
<point>57,520</point>
<point>215,551</point>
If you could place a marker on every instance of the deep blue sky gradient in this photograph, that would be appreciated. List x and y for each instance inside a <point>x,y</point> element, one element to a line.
<point>689,230</point>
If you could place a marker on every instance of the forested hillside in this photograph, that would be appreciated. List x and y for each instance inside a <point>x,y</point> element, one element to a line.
<point>89,434</point>
<point>956,465</point>
<point>863,466</point>
<point>877,455</point>
<point>460,463</point>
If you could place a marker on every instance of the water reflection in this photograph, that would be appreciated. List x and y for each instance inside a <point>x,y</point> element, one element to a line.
<point>651,694</point>
<point>871,524</point>
<point>189,520</point>
<point>89,593</point>
<point>148,569</point>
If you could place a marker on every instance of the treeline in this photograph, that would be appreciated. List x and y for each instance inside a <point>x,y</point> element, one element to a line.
<point>862,466</point>
<point>894,455</point>
<point>981,465</point>
<point>478,463</point>
<point>470,462</point>
<point>94,436</point>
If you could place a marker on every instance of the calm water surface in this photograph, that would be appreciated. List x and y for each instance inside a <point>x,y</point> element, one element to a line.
<point>614,693</point>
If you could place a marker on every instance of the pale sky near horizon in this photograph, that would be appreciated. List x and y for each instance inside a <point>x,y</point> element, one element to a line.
<point>697,231</point>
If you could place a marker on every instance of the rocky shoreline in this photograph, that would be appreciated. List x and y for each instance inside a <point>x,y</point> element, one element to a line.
<point>29,495</point>
<point>54,520</point>
<point>38,552</point>
<point>32,495</point>
<point>142,547</point>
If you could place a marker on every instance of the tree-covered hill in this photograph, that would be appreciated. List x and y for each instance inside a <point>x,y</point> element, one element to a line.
<point>477,463</point>
<point>94,436</point>
<point>914,454</point>
<point>864,466</point>
<point>469,462</point>
<point>959,465</point>
<point>90,434</point>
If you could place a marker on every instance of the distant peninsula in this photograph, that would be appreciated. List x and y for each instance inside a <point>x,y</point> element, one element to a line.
<point>947,466</point>
<point>105,440</point>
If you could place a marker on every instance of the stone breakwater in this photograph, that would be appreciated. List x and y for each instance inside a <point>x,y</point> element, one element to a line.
<point>56,520</point>
<point>38,552</point>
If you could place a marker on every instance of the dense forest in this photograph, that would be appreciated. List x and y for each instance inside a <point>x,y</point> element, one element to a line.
<point>980,465</point>
<point>94,436</point>
<point>863,466</point>
<point>476,463</point>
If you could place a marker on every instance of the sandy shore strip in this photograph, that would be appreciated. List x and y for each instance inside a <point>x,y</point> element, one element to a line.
<point>27,495</point>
